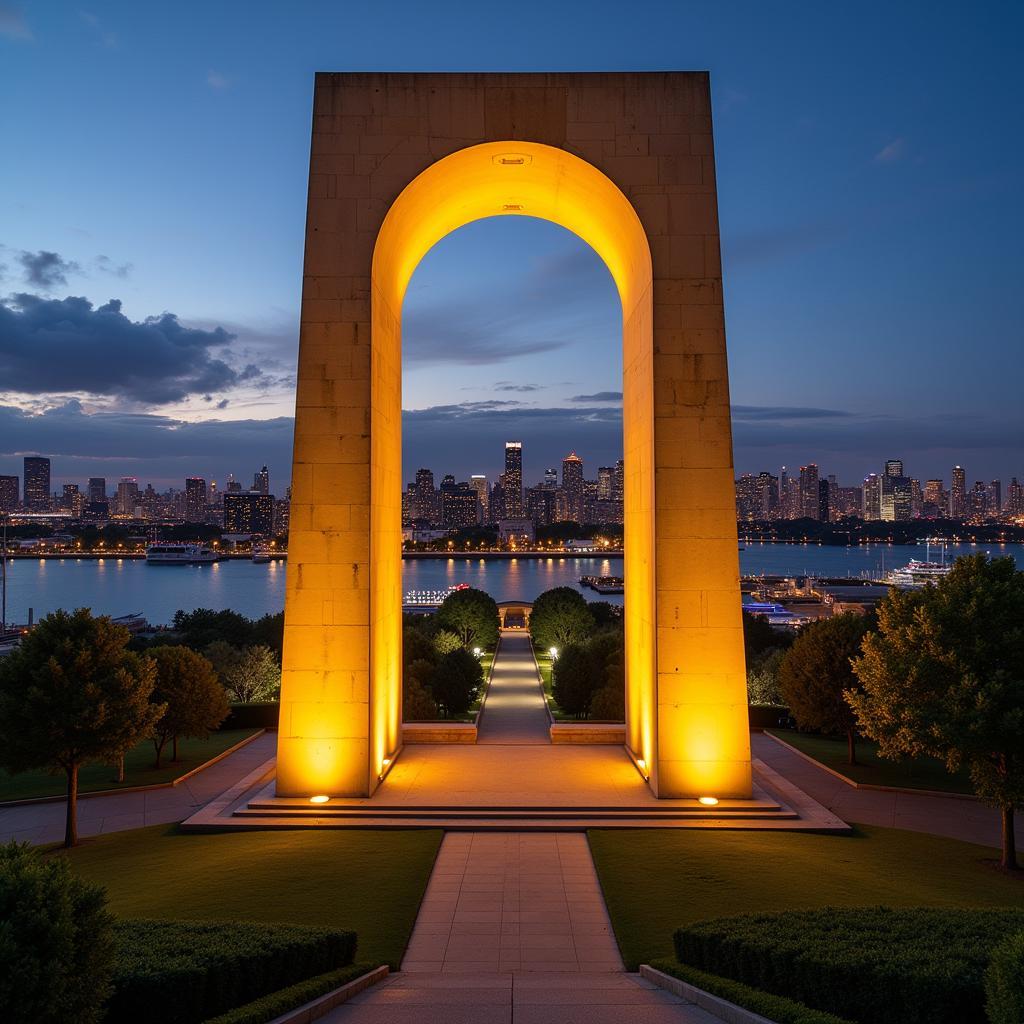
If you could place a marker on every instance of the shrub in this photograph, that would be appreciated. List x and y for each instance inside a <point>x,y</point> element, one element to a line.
<point>184,972</point>
<point>258,715</point>
<point>56,941</point>
<point>763,678</point>
<point>445,641</point>
<point>560,617</point>
<point>455,682</point>
<point>582,670</point>
<point>776,1008</point>
<point>1004,982</point>
<point>254,676</point>
<point>875,965</point>
<point>277,1004</point>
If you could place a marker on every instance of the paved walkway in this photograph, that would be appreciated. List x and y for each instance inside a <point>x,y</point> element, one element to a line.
<point>513,927</point>
<point>949,816</point>
<point>514,711</point>
<point>115,812</point>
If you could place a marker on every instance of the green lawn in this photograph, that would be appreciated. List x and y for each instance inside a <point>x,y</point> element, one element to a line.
<point>371,882</point>
<point>138,767</point>
<point>916,773</point>
<point>656,880</point>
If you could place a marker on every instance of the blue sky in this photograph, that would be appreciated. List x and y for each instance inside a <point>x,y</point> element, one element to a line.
<point>869,163</point>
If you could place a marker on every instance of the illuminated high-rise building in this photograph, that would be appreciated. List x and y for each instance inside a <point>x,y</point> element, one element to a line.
<point>958,493</point>
<point>809,497</point>
<point>424,506</point>
<point>767,495</point>
<point>261,481</point>
<point>872,497</point>
<point>195,500</point>
<point>9,493</point>
<point>995,497</point>
<point>128,497</point>
<point>97,489</point>
<point>934,496</point>
<point>479,484</point>
<point>37,484</point>
<point>572,487</point>
<point>1015,498</point>
<point>513,479</point>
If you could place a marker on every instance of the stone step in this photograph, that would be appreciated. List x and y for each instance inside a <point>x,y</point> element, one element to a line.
<point>523,814</point>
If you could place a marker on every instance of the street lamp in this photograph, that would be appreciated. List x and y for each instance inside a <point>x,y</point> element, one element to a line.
<point>477,652</point>
<point>553,652</point>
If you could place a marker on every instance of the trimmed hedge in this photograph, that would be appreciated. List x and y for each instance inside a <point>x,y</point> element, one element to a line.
<point>258,715</point>
<point>1004,982</point>
<point>874,965</point>
<point>766,716</point>
<point>184,972</point>
<point>776,1008</point>
<point>278,1003</point>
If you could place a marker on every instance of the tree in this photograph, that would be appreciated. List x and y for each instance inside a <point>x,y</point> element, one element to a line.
<point>56,941</point>
<point>759,637</point>
<point>560,617</point>
<point>609,703</point>
<point>944,677</point>
<point>193,701</point>
<point>223,657</point>
<point>418,705</point>
<point>70,694</point>
<point>455,682</point>
<point>445,641</point>
<point>817,672</point>
<point>268,631</point>
<point>254,676</point>
<point>763,678</point>
<point>472,616</point>
<point>201,627</point>
<point>583,670</point>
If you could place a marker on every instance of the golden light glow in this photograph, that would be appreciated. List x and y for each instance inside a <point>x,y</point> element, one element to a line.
<point>708,801</point>
<point>319,799</point>
<point>686,721</point>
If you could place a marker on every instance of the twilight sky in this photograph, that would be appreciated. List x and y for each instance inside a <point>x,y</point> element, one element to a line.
<point>152,200</point>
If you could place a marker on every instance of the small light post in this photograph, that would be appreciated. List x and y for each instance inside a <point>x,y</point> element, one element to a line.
<point>553,651</point>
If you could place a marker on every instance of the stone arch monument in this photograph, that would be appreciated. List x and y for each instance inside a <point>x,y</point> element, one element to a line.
<point>624,160</point>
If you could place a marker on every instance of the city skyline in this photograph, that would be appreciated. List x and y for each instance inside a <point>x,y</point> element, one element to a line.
<point>868,249</point>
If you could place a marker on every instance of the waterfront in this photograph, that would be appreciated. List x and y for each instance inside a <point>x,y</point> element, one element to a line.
<point>119,586</point>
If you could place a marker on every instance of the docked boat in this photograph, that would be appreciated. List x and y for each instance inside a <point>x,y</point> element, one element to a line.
<point>260,556</point>
<point>919,573</point>
<point>180,554</point>
<point>430,598</point>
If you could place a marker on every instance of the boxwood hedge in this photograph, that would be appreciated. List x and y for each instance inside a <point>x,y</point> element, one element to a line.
<point>872,965</point>
<point>184,972</point>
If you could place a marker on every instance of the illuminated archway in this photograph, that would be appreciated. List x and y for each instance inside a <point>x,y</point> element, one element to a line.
<point>341,689</point>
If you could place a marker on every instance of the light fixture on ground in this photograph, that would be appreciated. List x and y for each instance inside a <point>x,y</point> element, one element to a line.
<point>708,801</point>
<point>320,798</point>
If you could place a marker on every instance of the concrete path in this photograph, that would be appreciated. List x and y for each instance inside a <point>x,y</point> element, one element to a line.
<point>514,711</point>
<point>513,927</point>
<point>948,816</point>
<point>115,812</point>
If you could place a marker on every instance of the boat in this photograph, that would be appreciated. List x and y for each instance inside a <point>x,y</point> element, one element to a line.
<point>431,598</point>
<point>918,573</point>
<point>260,557</point>
<point>180,554</point>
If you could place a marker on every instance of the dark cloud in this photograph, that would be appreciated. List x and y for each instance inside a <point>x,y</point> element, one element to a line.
<point>785,412</point>
<point>600,396</point>
<point>148,446</point>
<point>506,385</point>
<point>44,269</point>
<point>58,346</point>
<point>105,265</point>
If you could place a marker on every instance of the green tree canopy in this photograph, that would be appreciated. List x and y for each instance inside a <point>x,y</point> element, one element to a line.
<point>472,616</point>
<point>944,676</point>
<point>560,617</point>
<point>56,941</point>
<point>202,626</point>
<point>817,672</point>
<point>73,693</point>
<point>583,670</point>
<point>455,682</point>
<point>194,702</point>
<point>254,676</point>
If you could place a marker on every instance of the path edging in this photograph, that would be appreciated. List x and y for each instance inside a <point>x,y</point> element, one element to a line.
<point>715,1005</point>
<point>29,801</point>
<point>487,686</point>
<point>322,1005</point>
<point>868,786</point>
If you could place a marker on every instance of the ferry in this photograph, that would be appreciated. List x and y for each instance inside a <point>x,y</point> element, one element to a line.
<point>919,573</point>
<point>180,554</point>
<point>260,556</point>
<point>430,598</point>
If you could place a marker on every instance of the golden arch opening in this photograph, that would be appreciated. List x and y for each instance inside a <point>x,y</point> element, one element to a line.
<point>340,726</point>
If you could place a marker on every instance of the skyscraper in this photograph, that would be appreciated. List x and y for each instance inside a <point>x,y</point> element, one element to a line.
<point>934,498</point>
<point>97,488</point>
<point>128,497</point>
<point>768,495</point>
<point>479,484</point>
<point>894,467</point>
<point>995,497</point>
<point>513,479</point>
<point>896,501</point>
<point>195,499</point>
<point>872,497</point>
<point>424,506</point>
<point>261,481</point>
<point>572,486</point>
<point>551,477</point>
<point>1015,498</point>
<point>9,493</point>
<point>809,499</point>
<point>37,484</point>
<point>958,493</point>
<point>251,513</point>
